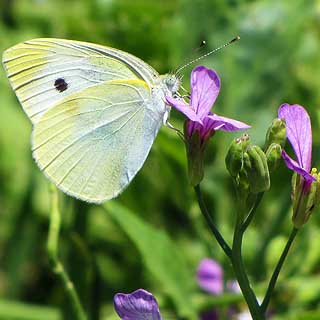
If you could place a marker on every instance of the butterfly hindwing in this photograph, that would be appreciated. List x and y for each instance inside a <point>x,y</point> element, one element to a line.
<point>92,143</point>
<point>45,71</point>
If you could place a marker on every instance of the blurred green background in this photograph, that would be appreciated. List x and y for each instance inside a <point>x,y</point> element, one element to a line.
<point>153,235</point>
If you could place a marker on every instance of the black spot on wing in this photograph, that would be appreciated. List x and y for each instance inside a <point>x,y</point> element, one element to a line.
<point>61,85</point>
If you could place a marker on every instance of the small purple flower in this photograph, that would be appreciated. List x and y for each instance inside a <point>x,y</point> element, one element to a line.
<point>306,184</point>
<point>300,136</point>
<point>210,276</point>
<point>201,124</point>
<point>205,87</point>
<point>138,305</point>
<point>210,315</point>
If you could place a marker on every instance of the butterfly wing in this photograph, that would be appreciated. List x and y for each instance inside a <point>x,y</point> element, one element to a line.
<point>43,72</point>
<point>92,143</point>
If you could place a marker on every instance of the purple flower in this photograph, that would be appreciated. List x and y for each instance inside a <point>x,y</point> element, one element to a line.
<point>300,136</point>
<point>138,305</point>
<point>205,87</point>
<point>306,184</point>
<point>210,276</point>
<point>210,315</point>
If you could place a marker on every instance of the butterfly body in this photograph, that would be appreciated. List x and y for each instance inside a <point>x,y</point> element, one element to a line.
<point>95,112</point>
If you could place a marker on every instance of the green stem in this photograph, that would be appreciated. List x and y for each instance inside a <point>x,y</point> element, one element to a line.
<point>241,275</point>
<point>235,254</point>
<point>277,270</point>
<point>273,229</point>
<point>56,265</point>
<point>251,214</point>
<point>223,244</point>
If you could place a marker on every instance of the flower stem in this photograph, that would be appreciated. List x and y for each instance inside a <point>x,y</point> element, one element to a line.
<point>241,275</point>
<point>56,265</point>
<point>223,244</point>
<point>277,270</point>
<point>251,214</point>
<point>235,254</point>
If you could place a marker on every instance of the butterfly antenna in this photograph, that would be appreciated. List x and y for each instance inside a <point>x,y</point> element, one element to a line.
<point>186,60</point>
<point>206,54</point>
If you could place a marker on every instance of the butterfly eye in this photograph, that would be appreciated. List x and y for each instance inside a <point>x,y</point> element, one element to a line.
<point>61,85</point>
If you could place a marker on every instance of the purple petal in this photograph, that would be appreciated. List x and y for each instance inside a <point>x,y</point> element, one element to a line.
<point>184,108</point>
<point>293,165</point>
<point>138,305</point>
<point>210,315</point>
<point>210,276</point>
<point>298,132</point>
<point>205,129</point>
<point>226,124</point>
<point>205,87</point>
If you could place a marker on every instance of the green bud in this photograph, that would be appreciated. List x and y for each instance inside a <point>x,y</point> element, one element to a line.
<point>256,166</point>
<point>273,155</point>
<point>234,158</point>
<point>276,133</point>
<point>304,201</point>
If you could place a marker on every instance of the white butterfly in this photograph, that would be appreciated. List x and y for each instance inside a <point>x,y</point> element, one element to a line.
<point>95,112</point>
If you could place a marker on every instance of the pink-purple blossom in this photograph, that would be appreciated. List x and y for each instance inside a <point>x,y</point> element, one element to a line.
<point>210,276</point>
<point>299,134</point>
<point>138,305</point>
<point>205,87</point>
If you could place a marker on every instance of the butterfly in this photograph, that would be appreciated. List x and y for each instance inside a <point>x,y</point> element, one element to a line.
<point>95,112</point>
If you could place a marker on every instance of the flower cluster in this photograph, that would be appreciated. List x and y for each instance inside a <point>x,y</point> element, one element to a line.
<point>248,165</point>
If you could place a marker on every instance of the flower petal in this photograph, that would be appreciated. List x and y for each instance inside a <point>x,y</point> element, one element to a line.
<point>226,124</point>
<point>293,165</point>
<point>205,87</point>
<point>184,108</point>
<point>298,132</point>
<point>138,305</point>
<point>210,276</point>
<point>210,315</point>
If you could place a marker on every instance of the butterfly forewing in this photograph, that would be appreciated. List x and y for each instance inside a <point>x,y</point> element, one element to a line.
<point>95,112</point>
<point>45,71</point>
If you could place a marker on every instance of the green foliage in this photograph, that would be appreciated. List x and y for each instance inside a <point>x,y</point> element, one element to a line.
<point>276,61</point>
<point>161,257</point>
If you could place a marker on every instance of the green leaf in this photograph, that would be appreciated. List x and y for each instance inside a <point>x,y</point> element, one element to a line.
<point>161,256</point>
<point>14,310</point>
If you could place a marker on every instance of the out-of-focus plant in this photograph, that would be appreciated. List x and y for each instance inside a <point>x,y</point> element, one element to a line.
<point>156,225</point>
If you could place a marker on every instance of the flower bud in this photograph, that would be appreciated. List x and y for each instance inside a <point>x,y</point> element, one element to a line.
<point>256,167</point>
<point>304,200</point>
<point>273,155</point>
<point>234,158</point>
<point>276,133</point>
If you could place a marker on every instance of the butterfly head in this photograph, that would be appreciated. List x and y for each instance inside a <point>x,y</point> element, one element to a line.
<point>172,82</point>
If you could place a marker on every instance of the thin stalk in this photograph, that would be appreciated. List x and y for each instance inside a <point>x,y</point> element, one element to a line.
<point>277,270</point>
<point>223,244</point>
<point>234,254</point>
<point>251,214</point>
<point>273,229</point>
<point>56,265</point>
<point>241,274</point>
